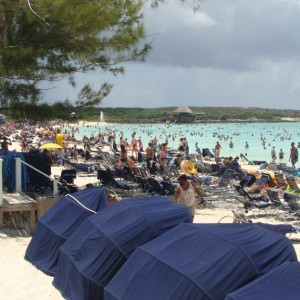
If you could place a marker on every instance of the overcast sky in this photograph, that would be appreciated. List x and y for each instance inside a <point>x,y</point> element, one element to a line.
<point>231,53</point>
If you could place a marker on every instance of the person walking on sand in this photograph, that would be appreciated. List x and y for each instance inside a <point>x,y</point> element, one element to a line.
<point>185,193</point>
<point>218,149</point>
<point>293,154</point>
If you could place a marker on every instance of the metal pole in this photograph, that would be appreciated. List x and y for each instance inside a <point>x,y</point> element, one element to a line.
<point>18,174</point>
<point>55,189</point>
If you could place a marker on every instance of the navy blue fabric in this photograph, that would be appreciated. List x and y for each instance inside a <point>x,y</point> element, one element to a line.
<point>281,283</point>
<point>199,261</point>
<point>9,170</point>
<point>58,223</point>
<point>280,228</point>
<point>102,244</point>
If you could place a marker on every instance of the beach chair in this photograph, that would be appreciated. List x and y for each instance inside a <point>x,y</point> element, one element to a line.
<point>155,187</point>
<point>270,183</point>
<point>254,204</point>
<point>142,178</point>
<point>168,185</point>
<point>258,185</point>
<point>108,180</point>
<point>292,184</point>
<point>222,190</point>
<point>174,171</point>
<point>66,179</point>
<point>281,183</point>
<point>293,204</point>
<point>247,180</point>
<point>280,211</point>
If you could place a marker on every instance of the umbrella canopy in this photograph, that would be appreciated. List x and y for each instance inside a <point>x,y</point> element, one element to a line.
<point>58,224</point>
<point>199,261</point>
<point>102,244</point>
<point>51,146</point>
<point>282,282</point>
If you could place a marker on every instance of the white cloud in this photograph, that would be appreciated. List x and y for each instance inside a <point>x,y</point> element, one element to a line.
<point>232,53</point>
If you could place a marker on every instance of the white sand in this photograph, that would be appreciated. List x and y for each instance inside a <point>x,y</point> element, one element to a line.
<point>20,280</point>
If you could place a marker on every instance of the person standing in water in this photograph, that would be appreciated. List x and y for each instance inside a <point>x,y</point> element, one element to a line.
<point>281,154</point>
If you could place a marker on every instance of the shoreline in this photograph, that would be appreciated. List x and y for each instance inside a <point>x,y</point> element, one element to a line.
<point>239,121</point>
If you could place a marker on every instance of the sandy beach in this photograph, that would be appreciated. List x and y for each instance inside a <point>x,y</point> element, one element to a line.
<point>21,280</point>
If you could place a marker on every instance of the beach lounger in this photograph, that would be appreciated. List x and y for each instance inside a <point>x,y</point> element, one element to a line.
<point>66,179</point>
<point>280,180</point>
<point>293,204</point>
<point>255,204</point>
<point>156,187</point>
<point>293,186</point>
<point>278,208</point>
<point>247,180</point>
<point>108,180</point>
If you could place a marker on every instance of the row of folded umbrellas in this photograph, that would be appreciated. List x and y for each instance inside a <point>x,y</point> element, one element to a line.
<point>148,248</point>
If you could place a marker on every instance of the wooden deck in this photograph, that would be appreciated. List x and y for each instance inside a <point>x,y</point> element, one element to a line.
<point>13,202</point>
<point>21,202</point>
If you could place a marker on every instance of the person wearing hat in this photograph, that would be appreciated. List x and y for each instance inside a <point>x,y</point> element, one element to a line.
<point>293,154</point>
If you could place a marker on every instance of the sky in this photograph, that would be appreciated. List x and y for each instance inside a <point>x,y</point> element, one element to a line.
<point>230,53</point>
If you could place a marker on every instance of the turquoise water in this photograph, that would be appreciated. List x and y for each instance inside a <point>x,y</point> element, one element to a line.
<point>279,135</point>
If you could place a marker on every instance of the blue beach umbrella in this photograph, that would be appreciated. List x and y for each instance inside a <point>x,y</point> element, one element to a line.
<point>199,261</point>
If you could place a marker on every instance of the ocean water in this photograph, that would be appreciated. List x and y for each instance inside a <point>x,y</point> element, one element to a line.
<point>279,135</point>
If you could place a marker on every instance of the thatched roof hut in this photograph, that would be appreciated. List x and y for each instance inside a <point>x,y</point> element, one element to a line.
<point>183,110</point>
